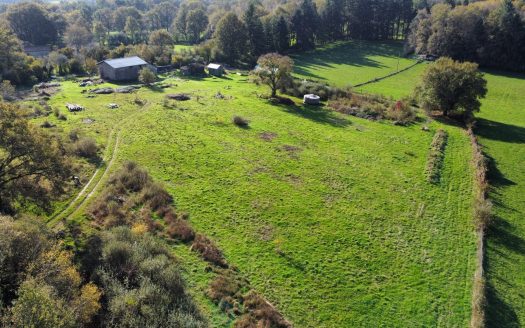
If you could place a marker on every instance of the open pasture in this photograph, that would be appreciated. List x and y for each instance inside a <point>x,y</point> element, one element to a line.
<point>330,217</point>
<point>501,128</point>
<point>345,64</point>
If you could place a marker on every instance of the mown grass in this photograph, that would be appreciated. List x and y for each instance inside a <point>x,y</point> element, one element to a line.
<point>501,127</point>
<point>330,217</point>
<point>502,133</point>
<point>349,63</point>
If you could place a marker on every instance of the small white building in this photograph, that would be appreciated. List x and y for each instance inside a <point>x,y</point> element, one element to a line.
<point>215,69</point>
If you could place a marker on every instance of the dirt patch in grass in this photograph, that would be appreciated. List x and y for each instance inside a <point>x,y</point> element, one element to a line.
<point>292,151</point>
<point>268,136</point>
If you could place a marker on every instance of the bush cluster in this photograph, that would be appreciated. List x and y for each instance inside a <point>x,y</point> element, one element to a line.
<point>374,107</point>
<point>86,147</point>
<point>298,88</point>
<point>208,250</point>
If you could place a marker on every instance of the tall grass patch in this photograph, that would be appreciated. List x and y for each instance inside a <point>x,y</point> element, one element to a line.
<point>436,156</point>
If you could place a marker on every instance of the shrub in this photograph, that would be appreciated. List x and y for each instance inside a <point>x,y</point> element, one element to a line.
<point>155,196</point>
<point>224,286</point>
<point>262,313</point>
<point>181,230</point>
<point>208,250</point>
<point>73,135</point>
<point>86,147</point>
<point>299,88</point>
<point>130,178</point>
<point>400,112</point>
<point>241,122</point>
<point>147,76</point>
<point>46,125</point>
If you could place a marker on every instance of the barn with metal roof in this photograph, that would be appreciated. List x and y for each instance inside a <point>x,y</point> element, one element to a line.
<point>123,69</point>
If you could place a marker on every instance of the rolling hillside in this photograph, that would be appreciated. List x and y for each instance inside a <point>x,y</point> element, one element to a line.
<point>502,132</point>
<point>330,217</point>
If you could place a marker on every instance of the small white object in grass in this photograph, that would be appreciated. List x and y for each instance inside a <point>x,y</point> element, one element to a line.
<point>311,99</point>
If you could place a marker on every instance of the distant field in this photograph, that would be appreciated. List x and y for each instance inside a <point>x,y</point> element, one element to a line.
<point>502,132</point>
<point>349,63</point>
<point>329,217</point>
<point>183,47</point>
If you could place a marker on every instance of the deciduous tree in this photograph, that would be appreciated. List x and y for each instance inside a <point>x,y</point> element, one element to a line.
<point>448,86</point>
<point>231,37</point>
<point>274,70</point>
<point>32,163</point>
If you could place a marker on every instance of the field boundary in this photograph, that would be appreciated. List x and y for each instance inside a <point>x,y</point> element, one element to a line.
<point>377,79</point>
<point>482,213</point>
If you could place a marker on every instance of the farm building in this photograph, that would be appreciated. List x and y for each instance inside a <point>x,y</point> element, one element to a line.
<point>215,69</point>
<point>123,69</point>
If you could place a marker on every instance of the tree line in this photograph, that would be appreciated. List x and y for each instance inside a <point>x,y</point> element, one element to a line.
<point>491,33</point>
<point>238,32</point>
<point>234,31</point>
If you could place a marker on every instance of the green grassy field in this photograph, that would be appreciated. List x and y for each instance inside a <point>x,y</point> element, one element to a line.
<point>329,217</point>
<point>349,63</point>
<point>502,133</point>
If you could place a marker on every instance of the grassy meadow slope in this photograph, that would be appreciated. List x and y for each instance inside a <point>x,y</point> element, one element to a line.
<point>502,132</point>
<point>345,64</point>
<point>329,217</point>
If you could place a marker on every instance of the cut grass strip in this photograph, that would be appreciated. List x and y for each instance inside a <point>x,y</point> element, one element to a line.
<point>436,156</point>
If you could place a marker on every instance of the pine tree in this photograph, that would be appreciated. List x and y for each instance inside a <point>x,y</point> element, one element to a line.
<point>281,35</point>
<point>305,21</point>
<point>255,32</point>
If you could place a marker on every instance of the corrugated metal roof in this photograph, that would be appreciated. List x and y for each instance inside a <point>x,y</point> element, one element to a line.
<point>214,66</point>
<point>125,62</point>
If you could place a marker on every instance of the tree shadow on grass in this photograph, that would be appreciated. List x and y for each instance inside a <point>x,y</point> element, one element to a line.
<point>496,177</point>
<point>352,54</point>
<point>318,114</point>
<point>498,312</point>
<point>500,131</point>
<point>500,233</point>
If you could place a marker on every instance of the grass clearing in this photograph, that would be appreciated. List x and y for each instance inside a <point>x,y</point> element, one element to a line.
<point>501,129</point>
<point>329,216</point>
<point>349,63</point>
<point>502,133</point>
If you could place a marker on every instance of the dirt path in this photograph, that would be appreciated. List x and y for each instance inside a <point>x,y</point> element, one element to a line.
<point>93,184</point>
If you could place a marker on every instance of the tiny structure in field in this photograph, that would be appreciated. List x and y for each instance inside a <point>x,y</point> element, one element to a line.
<point>123,69</point>
<point>215,69</point>
<point>311,99</point>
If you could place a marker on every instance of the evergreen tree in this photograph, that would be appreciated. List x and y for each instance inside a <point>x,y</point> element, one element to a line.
<point>254,31</point>
<point>305,21</point>
<point>280,35</point>
<point>332,20</point>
